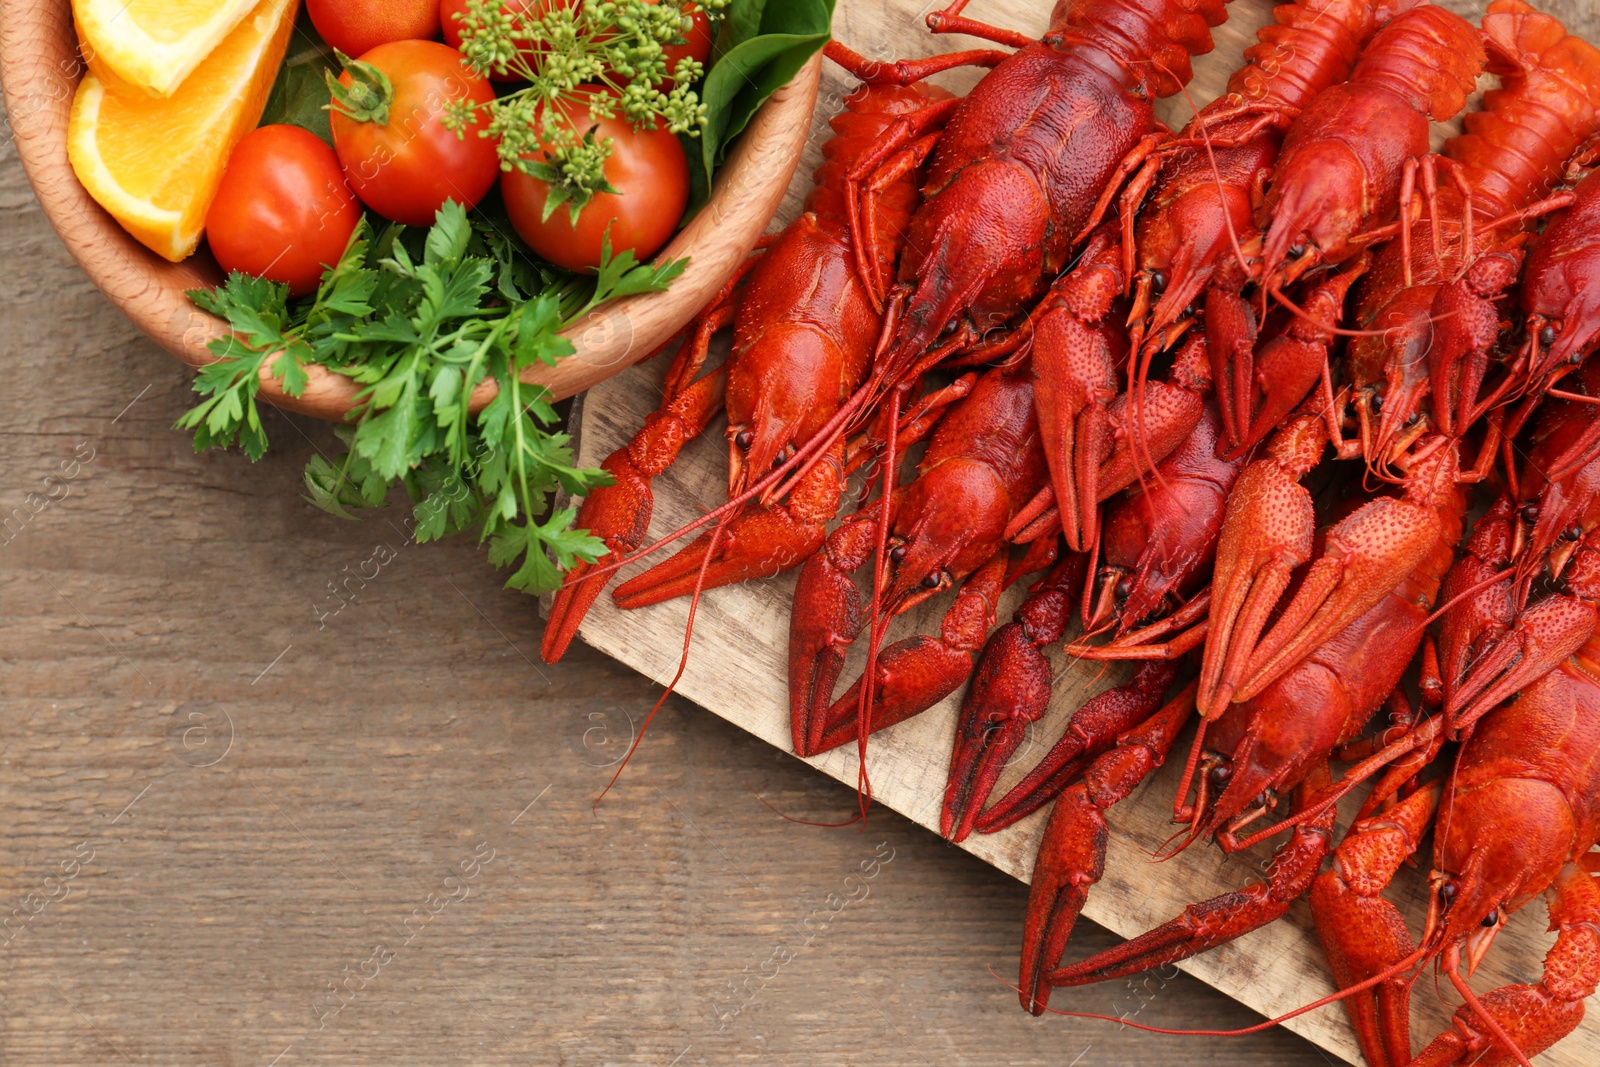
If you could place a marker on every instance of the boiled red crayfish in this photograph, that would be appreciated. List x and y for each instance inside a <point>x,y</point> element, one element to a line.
<point>1561,298</point>
<point>1434,304</point>
<point>947,529</point>
<point>1517,818</point>
<point>794,362</point>
<point>1348,163</point>
<point>1015,178</point>
<point>1194,201</point>
<point>1165,432</point>
<point>1279,738</point>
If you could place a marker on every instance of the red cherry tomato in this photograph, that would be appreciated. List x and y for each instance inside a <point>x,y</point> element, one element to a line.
<point>401,160</point>
<point>355,27</point>
<point>646,167</point>
<point>283,210</point>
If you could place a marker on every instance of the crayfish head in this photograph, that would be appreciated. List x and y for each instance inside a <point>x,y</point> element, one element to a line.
<point>1580,569</point>
<point>1558,344</point>
<point>1462,918</point>
<point>1181,249</point>
<point>746,463</point>
<point>1392,370</point>
<point>1214,772</point>
<point>952,521</point>
<point>1146,593</point>
<point>1290,249</point>
<point>916,578</point>
<point>1499,845</point>
<point>1273,741</point>
<point>781,391</point>
<point>1562,305</point>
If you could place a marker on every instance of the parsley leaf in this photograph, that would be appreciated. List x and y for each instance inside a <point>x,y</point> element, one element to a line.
<point>419,321</point>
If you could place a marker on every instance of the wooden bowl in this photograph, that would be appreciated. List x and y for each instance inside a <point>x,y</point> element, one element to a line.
<point>40,68</point>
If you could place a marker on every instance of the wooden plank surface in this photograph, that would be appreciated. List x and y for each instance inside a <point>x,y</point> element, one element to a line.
<point>248,803</point>
<point>737,666</point>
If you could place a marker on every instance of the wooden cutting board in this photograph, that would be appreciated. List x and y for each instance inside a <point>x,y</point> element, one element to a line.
<point>736,667</point>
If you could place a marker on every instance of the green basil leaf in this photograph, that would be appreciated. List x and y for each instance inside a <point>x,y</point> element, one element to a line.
<point>761,47</point>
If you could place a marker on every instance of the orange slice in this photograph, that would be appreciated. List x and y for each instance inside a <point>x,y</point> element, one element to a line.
<point>155,163</point>
<point>156,44</point>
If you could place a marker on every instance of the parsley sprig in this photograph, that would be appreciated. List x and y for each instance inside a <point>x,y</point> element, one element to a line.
<point>419,321</point>
<point>564,51</point>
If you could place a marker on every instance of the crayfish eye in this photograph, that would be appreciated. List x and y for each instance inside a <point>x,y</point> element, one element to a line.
<point>1124,587</point>
<point>1530,513</point>
<point>1220,774</point>
<point>932,580</point>
<point>744,439</point>
<point>1547,335</point>
<point>1572,533</point>
<point>897,553</point>
<point>1158,282</point>
<point>1492,918</point>
<point>1448,891</point>
<point>1297,249</point>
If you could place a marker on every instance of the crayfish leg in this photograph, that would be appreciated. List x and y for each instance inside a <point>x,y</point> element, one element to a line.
<point>1092,731</point>
<point>950,20</point>
<point>828,616</point>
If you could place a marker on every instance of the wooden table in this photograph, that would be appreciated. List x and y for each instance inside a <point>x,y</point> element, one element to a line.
<point>221,807</point>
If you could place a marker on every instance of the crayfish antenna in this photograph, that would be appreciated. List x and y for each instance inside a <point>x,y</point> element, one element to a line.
<point>683,663</point>
<point>1399,968</point>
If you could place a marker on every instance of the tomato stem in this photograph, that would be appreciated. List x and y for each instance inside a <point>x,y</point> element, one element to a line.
<point>366,98</point>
